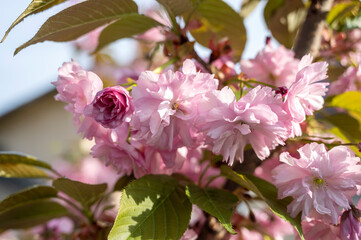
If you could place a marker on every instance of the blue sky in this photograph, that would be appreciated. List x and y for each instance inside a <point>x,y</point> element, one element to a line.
<point>28,74</point>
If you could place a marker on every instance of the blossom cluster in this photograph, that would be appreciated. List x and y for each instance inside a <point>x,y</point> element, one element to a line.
<point>162,122</point>
<point>145,130</point>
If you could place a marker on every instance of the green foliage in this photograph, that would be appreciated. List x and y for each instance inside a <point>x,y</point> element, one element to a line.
<point>267,192</point>
<point>346,127</point>
<point>17,165</point>
<point>127,26</point>
<point>342,12</point>
<point>34,7</point>
<point>152,207</point>
<point>283,18</point>
<point>79,19</point>
<point>27,195</point>
<point>247,7</point>
<point>218,21</point>
<point>217,202</point>
<point>122,182</point>
<point>31,213</point>
<point>350,101</point>
<point>85,194</point>
<point>176,7</point>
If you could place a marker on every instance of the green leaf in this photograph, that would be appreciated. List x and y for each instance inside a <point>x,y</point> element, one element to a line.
<point>27,195</point>
<point>152,207</point>
<point>35,6</point>
<point>219,21</point>
<point>79,19</point>
<point>347,127</point>
<point>247,7</point>
<point>350,101</point>
<point>266,191</point>
<point>122,182</point>
<point>85,194</point>
<point>31,214</point>
<point>127,26</point>
<point>347,124</point>
<point>217,202</point>
<point>283,18</point>
<point>18,165</point>
<point>176,7</point>
<point>340,12</point>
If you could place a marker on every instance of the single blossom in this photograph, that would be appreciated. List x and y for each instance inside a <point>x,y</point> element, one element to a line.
<point>351,225</point>
<point>305,95</point>
<point>166,104</point>
<point>318,180</point>
<point>256,119</point>
<point>76,87</point>
<point>111,107</point>
<point>276,67</point>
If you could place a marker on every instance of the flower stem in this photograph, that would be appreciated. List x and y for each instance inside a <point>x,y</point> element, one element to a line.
<point>203,173</point>
<point>170,62</point>
<point>211,179</point>
<point>200,60</point>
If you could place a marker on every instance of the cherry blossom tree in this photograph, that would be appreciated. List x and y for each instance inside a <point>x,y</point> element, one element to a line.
<point>194,147</point>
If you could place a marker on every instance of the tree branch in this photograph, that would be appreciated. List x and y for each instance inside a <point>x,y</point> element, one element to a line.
<point>309,37</point>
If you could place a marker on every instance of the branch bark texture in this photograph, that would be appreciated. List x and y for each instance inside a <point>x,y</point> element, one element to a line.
<point>309,37</point>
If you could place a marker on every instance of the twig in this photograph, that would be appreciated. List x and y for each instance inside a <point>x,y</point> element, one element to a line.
<point>200,60</point>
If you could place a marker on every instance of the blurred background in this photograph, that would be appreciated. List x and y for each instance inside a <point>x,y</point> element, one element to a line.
<point>31,121</point>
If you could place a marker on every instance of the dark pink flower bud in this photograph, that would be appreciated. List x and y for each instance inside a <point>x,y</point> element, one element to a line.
<point>359,146</point>
<point>282,90</point>
<point>268,40</point>
<point>111,106</point>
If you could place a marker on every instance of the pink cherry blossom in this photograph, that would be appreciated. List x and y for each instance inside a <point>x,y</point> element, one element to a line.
<point>77,88</point>
<point>316,229</point>
<point>111,107</point>
<point>166,104</point>
<point>350,80</point>
<point>89,41</point>
<point>247,234</point>
<point>113,149</point>
<point>264,170</point>
<point>90,128</point>
<point>351,225</point>
<point>156,34</point>
<point>305,95</point>
<point>192,166</point>
<point>189,234</point>
<point>256,119</point>
<point>88,170</point>
<point>318,180</point>
<point>160,162</point>
<point>225,66</point>
<point>276,67</point>
<point>345,45</point>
